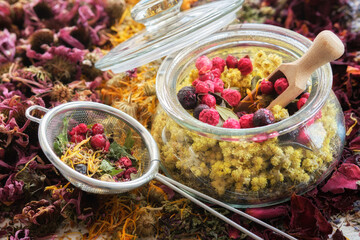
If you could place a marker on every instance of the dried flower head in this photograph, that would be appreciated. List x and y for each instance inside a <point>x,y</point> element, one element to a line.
<point>82,35</point>
<point>43,10</point>
<point>149,89</point>
<point>145,224</point>
<point>61,93</point>
<point>40,37</point>
<point>127,107</point>
<point>61,69</point>
<point>115,10</point>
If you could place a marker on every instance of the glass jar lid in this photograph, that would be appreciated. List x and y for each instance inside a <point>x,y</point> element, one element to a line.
<point>167,30</point>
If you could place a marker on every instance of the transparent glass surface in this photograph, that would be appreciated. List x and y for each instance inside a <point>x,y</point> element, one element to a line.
<point>248,167</point>
<point>167,31</point>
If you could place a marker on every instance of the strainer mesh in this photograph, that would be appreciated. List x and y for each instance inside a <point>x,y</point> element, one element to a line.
<point>112,124</point>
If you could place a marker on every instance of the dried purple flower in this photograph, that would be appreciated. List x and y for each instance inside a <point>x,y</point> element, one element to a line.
<point>7,46</point>
<point>48,14</point>
<point>12,190</point>
<point>22,234</point>
<point>5,21</point>
<point>66,35</point>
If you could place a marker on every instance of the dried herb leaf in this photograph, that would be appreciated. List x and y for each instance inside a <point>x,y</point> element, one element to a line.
<point>254,81</point>
<point>62,138</point>
<point>226,113</point>
<point>117,151</point>
<point>129,141</point>
<point>107,168</point>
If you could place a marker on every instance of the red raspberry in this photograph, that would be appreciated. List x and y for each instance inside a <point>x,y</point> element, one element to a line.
<point>280,85</point>
<point>301,102</point>
<point>98,142</point>
<point>305,95</point>
<point>77,138</point>
<point>303,137</point>
<point>203,64</point>
<point>218,85</point>
<point>129,171</point>
<point>231,96</point>
<point>231,123</point>
<point>98,128</point>
<point>107,146</point>
<point>266,87</point>
<point>246,121</point>
<point>206,76</point>
<point>231,61</point>
<point>79,129</point>
<point>216,72</point>
<point>245,66</point>
<point>204,87</point>
<point>199,109</point>
<point>209,100</point>
<point>211,85</point>
<point>195,82</point>
<point>209,116</point>
<point>125,161</point>
<point>218,63</point>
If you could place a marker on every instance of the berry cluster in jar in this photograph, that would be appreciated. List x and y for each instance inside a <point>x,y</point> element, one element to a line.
<point>90,151</point>
<point>211,103</point>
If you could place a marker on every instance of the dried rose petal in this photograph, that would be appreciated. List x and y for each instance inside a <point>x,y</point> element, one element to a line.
<point>346,177</point>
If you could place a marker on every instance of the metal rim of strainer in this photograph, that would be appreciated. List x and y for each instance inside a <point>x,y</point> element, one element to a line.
<point>68,172</point>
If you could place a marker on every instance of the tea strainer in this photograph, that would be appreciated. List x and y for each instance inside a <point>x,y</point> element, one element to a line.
<point>51,125</point>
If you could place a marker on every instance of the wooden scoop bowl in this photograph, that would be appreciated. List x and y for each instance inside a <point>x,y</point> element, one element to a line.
<point>325,48</point>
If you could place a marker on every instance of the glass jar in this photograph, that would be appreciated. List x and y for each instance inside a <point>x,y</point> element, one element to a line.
<point>248,167</point>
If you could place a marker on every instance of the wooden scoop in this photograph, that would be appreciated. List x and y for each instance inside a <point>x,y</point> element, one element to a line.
<point>325,48</point>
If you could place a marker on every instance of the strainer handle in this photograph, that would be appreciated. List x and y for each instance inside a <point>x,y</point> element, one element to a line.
<point>175,186</point>
<point>31,117</point>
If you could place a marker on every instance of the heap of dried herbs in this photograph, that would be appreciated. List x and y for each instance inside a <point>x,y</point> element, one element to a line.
<point>47,54</point>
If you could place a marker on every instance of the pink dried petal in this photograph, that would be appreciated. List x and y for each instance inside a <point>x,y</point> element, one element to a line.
<point>7,46</point>
<point>346,177</point>
<point>268,212</point>
<point>12,191</point>
<point>64,34</point>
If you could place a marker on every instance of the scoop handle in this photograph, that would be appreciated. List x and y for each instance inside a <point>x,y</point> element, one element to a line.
<point>31,117</point>
<point>325,48</point>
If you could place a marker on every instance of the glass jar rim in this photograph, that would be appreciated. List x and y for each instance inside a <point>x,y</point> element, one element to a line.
<point>165,85</point>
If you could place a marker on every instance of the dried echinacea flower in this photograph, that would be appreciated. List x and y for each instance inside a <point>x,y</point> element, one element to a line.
<point>39,38</point>
<point>61,69</point>
<point>61,93</point>
<point>43,10</point>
